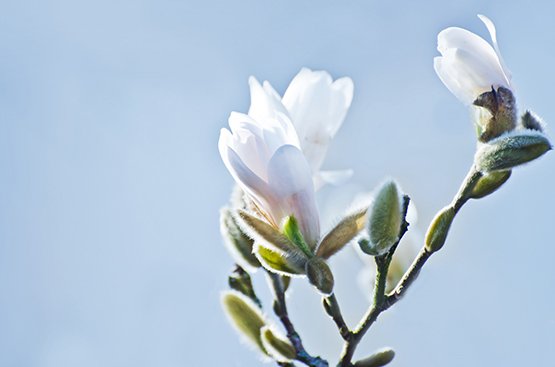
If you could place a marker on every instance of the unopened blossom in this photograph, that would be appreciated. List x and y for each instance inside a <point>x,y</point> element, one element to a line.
<point>469,65</point>
<point>264,157</point>
<point>316,105</point>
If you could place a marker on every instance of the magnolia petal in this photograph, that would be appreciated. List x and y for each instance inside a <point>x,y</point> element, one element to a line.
<point>470,66</point>
<point>493,34</point>
<point>317,106</point>
<point>252,184</point>
<point>265,102</point>
<point>290,179</point>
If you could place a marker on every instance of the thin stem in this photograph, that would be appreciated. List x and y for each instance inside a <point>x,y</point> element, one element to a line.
<point>280,309</point>
<point>332,308</point>
<point>382,264</point>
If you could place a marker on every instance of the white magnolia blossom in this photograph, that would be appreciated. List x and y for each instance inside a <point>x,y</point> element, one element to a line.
<point>316,105</point>
<point>470,66</point>
<point>264,157</point>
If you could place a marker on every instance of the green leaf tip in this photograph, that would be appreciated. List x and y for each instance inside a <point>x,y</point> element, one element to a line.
<point>292,231</point>
<point>263,232</point>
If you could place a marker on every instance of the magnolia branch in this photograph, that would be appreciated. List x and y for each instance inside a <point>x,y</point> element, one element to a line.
<point>280,309</point>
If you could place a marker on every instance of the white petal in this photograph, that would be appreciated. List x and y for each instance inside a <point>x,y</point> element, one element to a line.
<point>317,107</point>
<point>248,141</point>
<point>257,189</point>
<point>290,179</point>
<point>265,102</point>
<point>493,34</point>
<point>469,65</point>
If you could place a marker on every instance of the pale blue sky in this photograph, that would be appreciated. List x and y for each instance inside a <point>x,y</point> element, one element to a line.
<point>111,181</point>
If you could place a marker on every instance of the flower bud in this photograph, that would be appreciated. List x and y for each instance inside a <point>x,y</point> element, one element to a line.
<point>378,359</point>
<point>489,183</point>
<point>319,275</point>
<point>384,220</point>
<point>439,228</point>
<point>240,281</point>
<point>278,348</point>
<point>237,242</point>
<point>511,150</point>
<point>245,316</point>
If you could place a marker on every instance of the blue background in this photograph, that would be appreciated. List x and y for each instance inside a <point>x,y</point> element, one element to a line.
<point>110,179</point>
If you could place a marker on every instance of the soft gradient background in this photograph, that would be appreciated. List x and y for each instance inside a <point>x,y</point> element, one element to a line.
<point>110,253</point>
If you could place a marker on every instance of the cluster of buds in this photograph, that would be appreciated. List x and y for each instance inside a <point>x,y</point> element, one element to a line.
<point>275,153</point>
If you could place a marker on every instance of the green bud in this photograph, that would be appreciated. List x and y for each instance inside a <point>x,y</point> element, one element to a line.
<point>511,150</point>
<point>439,228</point>
<point>277,347</point>
<point>384,220</point>
<point>489,183</point>
<point>319,275</point>
<point>267,234</point>
<point>240,281</point>
<point>237,242</point>
<point>245,316</point>
<point>341,234</point>
<point>378,359</point>
<point>293,233</point>
<point>278,263</point>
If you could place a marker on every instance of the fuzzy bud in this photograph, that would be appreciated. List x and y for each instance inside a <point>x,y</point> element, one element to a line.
<point>511,150</point>
<point>378,359</point>
<point>384,220</point>
<point>532,122</point>
<point>277,347</point>
<point>439,228</point>
<point>489,183</point>
<point>237,242</point>
<point>319,275</point>
<point>245,316</point>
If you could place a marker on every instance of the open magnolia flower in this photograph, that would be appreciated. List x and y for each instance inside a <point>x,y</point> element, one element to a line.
<point>316,105</point>
<point>470,66</point>
<point>264,157</point>
<point>474,72</point>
